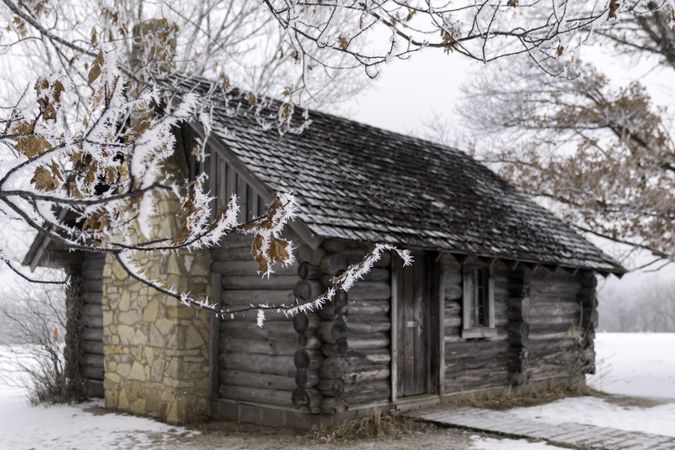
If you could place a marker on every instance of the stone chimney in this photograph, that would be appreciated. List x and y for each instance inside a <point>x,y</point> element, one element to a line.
<point>156,350</point>
<point>153,47</point>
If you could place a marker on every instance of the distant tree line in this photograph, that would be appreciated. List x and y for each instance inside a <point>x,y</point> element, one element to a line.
<point>638,309</point>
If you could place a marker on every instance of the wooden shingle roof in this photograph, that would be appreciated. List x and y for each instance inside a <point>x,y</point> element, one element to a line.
<point>359,182</point>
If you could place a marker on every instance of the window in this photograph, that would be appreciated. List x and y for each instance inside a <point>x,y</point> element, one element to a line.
<point>478,316</point>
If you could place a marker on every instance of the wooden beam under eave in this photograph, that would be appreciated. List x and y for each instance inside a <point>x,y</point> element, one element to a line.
<point>460,258</point>
<point>550,268</point>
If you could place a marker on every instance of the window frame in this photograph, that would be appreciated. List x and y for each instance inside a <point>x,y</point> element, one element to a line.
<point>469,303</point>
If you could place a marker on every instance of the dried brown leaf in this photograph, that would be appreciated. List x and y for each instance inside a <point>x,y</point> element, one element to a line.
<point>44,180</point>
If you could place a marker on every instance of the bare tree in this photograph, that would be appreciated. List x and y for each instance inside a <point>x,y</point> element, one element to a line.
<point>603,156</point>
<point>33,345</point>
<point>639,309</point>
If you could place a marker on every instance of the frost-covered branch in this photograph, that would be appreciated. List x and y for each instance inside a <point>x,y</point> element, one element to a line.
<point>344,282</point>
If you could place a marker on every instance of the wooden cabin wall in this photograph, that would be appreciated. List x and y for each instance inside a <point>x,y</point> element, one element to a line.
<point>472,364</point>
<point>255,364</point>
<point>91,362</point>
<point>556,340</point>
<point>348,363</point>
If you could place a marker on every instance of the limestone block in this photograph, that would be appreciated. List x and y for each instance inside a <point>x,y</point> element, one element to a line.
<point>137,371</point>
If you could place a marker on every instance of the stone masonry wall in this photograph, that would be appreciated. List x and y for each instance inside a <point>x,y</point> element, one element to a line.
<point>156,350</point>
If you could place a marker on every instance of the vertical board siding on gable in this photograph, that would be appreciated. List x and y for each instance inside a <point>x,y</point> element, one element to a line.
<point>473,363</point>
<point>553,315</point>
<point>226,181</point>
<point>255,364</point>
<point>91,363</point>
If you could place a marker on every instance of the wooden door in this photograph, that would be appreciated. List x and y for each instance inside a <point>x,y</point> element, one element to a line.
<point>412,327</point>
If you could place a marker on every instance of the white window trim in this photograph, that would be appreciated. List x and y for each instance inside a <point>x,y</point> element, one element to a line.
<point>468,330</point>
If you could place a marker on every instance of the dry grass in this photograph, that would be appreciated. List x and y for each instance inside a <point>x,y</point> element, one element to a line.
<point>377,425</point>
<point>534,396</point>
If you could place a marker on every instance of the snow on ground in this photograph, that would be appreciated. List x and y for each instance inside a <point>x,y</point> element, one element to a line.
<point>637,364</point>
<point>84,426</point>
<point>629,364</point>
<point>658,419</point>
<point>485,443</point>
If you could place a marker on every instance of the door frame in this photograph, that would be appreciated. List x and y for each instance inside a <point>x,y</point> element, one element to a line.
<point>433,314</point>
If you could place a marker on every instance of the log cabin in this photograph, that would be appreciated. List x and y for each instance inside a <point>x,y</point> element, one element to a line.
<point>501,296</point>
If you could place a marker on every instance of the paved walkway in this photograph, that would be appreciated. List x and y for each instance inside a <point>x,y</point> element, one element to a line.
<point>573,435</point>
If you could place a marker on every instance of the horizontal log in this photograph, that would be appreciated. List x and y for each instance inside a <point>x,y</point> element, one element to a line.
<point>306,399</point>
<point>468,382</point>
<point>453,336</point>
<point>335,308</point>
<point>257,395</point>
<point>452,321</point>
<point>355,362</point>
<point>309,360</point>
<point>452,291</point>
<point>305,253</point>
<point>91,359</point>
<point>92,298</point>
<point>471,346</point>
<point>369,290</point>
<point>452,278</point>
<point>250,282</point>
<point>93,274</point>
<point>257,297</point>
<point>309,271</point>
<point>93,321</point>
<point>333,367</point>
<point>249,267</point>
<point>373,340</point>
<point>486,363</point>
<point>333,263</point>
<point>92,310</point>
<point>369,307</point>
<point>562,289</point>
<point>375,356</point>
<point>307,289</point>
<point>260,346</point>
<point>365,387</point>
<point>330,387</point>
<point>93,262</point>
<point>306,378</point>
<point>92,372</point>
<point>452,308</point>
<point>309,341</point>
<point>256,380</point>
<point>378,274</point>
<point>271,329</point>
<point>332,405</point>
<point>538,308</point>
<point>543,328</point>
<point>93,286</point>
<point>519,329</point>
<point>251,362</point>
<point>343,245</point>
<point>234,241</point>
<point>232,254</point>
<point>330,331</point>
<point>367,373</point>
<point>92,334</point>
<point>355,255</point>
<point>364,324</point>
<point>305,321</point>
<point>93,347</point>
